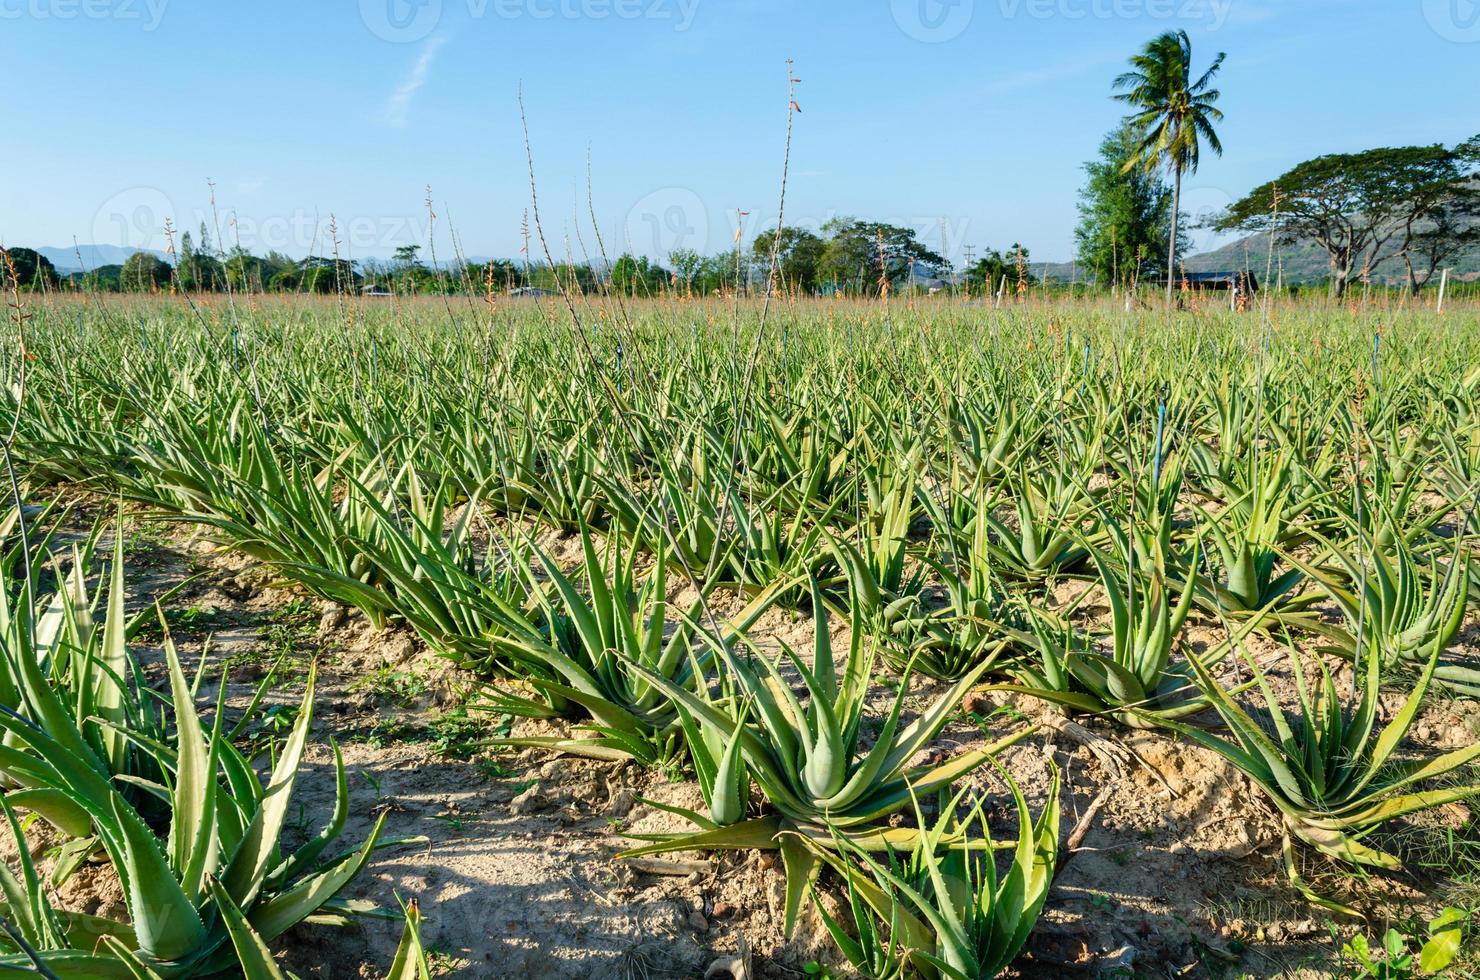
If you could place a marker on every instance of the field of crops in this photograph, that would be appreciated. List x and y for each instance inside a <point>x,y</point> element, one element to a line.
<point>640,638</point>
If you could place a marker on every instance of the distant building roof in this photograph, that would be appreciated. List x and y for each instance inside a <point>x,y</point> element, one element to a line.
<point>1218,280</point>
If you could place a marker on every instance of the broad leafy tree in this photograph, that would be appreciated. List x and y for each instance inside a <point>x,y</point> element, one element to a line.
<point>198,269</point>
<point>796,258</point>
<point>320,274</point>
<point>495,275</point>
<point>1125,215</point>
<point>987,272</point>
<point>638,276</point>
<point>1441,219</point>
<point>143,272</point>
<point>105,278</point>
<point>863,254</point>
<point>686,264</point>
<point>32,269</point>
<point>1419,204</point>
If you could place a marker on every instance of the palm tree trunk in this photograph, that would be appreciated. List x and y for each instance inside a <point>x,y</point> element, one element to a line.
<point>1172,240</point>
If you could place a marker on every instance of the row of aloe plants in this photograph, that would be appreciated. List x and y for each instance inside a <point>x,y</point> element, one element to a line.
<point>119,771</point>
<point>936,495</point>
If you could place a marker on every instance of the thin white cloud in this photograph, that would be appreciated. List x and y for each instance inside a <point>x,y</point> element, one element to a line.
<point>397,110</point>
<point>1045,75</point>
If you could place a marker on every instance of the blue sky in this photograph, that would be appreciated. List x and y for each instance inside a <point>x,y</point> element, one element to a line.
<point>969,120</point>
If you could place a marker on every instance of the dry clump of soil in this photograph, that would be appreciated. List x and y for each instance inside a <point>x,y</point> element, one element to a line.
<point>1177,873</point>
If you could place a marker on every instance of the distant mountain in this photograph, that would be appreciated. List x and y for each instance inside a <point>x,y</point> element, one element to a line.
<point>1307,262</point>
<point>96,256</point>
<point>1302,262</point>
<point>1057,271</point>
<point>1299,263</point>
<point>93,256</point>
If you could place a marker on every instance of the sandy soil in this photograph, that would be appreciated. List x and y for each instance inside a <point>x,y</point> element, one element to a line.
<point>1178,873</point>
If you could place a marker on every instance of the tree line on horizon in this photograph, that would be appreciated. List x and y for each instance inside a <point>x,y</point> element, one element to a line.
<point>1418,206</point>
<point>846,255</point>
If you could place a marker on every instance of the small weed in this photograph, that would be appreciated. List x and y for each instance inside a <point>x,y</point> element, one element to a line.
<point>388,683</point>
<point>455,734</point>
<point>453,822</point>
<point>190,619</point>
<point>387,731</point>
<point>1438,944</point>
<point>273,725</point>
<point>491,768</point>
<point>301,824</point>
<point>374,781</point>
<point>442,963</point>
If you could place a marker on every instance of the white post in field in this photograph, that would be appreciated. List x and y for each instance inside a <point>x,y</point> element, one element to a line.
<point>1443,284</point>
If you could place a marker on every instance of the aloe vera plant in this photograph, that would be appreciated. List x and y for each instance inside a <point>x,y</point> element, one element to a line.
<point>1249,534</point>
<point>301,521</point>
<point>801,458</point>
<point>220,875</point>
<point>41,933</point>
<point>944,909</point>
<point>33,925</point>
<point>1394,605</point>
<point>990,438</point>
<point>719,767</point>
<point>880,603</point>
<point>68,669</point>
<point>1051,508</point>
<point>1138,680</point>
<point>17,553</point>
<point>433,579</point>
<point>809,760</point>
<point>686,514</point>
<point>882,535</point>
<point>564,481</point>
<point>947,640</point>
<point>778,546</point>
<point>1329,770</point>
<point>595,652</point>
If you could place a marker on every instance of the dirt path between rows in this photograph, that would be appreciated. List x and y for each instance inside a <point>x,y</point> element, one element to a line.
<point>1178,875</point>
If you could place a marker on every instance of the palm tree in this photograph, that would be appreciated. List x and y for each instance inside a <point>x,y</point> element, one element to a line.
<point>1173,116</point>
